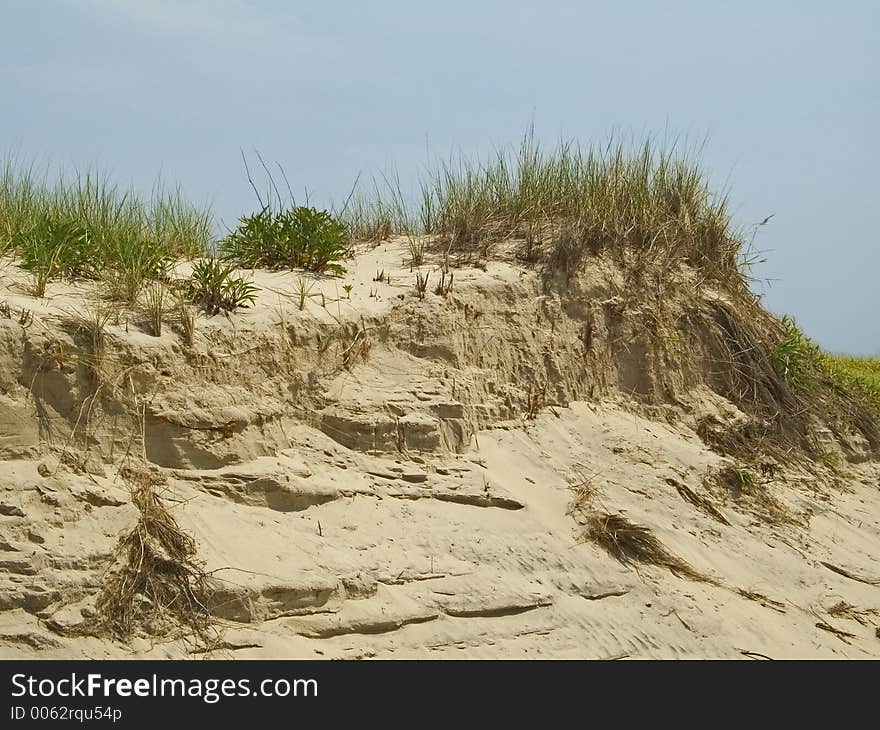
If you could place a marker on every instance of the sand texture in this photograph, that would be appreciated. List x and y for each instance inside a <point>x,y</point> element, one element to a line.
<point>383,475</point>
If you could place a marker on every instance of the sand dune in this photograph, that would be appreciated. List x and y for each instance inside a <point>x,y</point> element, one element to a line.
<point>381,475</point>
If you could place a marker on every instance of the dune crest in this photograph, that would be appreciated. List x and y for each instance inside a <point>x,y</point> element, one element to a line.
<point>593,463</point>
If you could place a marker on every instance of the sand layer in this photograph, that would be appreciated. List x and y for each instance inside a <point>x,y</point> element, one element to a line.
<point>376,474</point>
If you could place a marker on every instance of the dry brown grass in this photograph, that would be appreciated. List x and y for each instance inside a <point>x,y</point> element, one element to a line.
<point>699,501</point>
<point>740,486</point>
<point>156,585</point>
<point>444,286</point>
<point>89,332</point>
<point>844,610</point>
<point>584,490</point>
<point>155,306</point>
<point>421,286</point>
<point>844,636</point>
<point>354,344</point>
<point>635,545</point>
<point>187,320</point>
<point>849,574</point>
<point>536,399</point>
<point>762,599</point>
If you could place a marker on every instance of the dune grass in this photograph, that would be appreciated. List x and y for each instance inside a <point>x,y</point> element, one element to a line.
<point>296,237</point>
<point>156,583</point>
<point>801,361</point>
<point>86,226</point>
<point>566,203</point>
<point>858,375</point>
<point>215,288</point>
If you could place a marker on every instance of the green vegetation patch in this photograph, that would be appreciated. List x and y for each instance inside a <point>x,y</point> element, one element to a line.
<point>85,226</point>
<point>566,203</point>
<point>801,362</point>
<point>858,375</point>
<point>215,288</point>
<point>298,237</point>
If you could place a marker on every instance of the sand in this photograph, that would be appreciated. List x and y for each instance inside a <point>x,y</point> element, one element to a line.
<point>381,476</point>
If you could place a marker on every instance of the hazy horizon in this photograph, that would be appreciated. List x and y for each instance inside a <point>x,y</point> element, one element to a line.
<point>784,97</point>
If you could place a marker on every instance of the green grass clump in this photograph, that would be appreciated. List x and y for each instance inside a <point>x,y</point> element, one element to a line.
<point>802,362</point>
<point>214,287</point>
<point>796,357</point>
<point>85,226</point>
<point>573,202</point>
<point>858,375</point>
<point>54,248</point>
<point>297,237</point>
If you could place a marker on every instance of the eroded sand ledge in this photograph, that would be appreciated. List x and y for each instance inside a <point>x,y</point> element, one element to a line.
<point>394,477</point>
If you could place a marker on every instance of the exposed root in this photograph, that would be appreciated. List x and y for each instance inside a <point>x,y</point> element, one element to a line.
<point>742,486</point>
<point>631,544</point>
<point>156,586</point>
<point>848,611</point>
<point>762,599</point>
<point>852,576</point>
<point>699,501</point>
<point>844,636</point>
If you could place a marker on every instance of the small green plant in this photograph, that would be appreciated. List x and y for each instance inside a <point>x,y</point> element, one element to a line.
<point>214,287</point>
<point>737,480</point>
<point>831,459</point>
<point>796,357</point>
<point>347,289</point>
<point>299,237</point>
<point>304,291</point>
<point>745,478</point>
<point>51,249</point>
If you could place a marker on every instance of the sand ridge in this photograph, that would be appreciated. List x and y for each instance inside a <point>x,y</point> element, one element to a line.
<point>378,475</point>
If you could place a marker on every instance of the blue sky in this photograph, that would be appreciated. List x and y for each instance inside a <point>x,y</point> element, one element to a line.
<point>786,94</point>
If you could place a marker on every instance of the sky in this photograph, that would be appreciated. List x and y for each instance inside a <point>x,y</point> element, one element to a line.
<point>782,98</point>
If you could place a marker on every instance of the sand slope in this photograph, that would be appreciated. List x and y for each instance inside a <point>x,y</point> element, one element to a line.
<point>378,477</point>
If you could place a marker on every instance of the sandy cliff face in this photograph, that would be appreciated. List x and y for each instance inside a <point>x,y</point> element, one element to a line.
<point>380,474</point>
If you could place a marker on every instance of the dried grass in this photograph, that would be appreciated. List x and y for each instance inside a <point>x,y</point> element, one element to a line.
<point>633,544</point>
<point>844,610</point>
<point>699,501</point>
<point>584,490</point>
<point>354,344</point>
<point>156,585</point>
<point>762,599</point>
<point>849,574</point>
<point>844,636</point>
<point>741,485</point>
